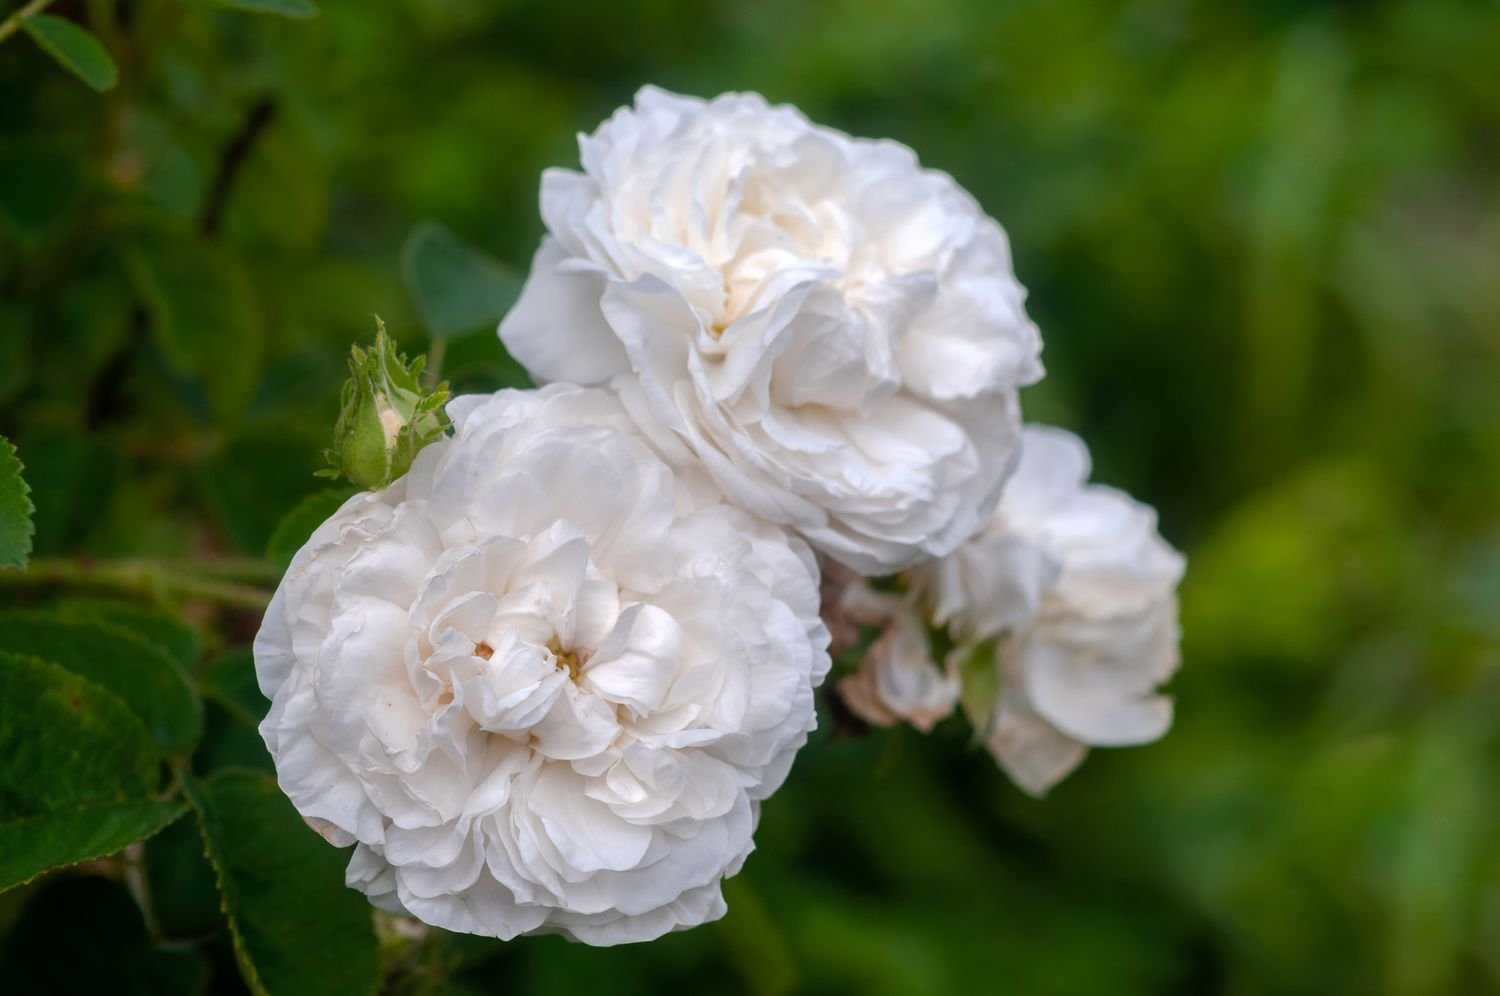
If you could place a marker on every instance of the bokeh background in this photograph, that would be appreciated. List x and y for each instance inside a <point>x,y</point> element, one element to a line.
<point>1262,241</point>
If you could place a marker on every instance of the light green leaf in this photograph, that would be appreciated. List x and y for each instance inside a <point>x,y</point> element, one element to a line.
<point>78,771</point>
<point>454,287</point>
<point>979,675</point>
<point>73,48</point>
<point>297,526</point>
<point>205,318</point>
<point>297,10</point>
<point>297,928</point>
<point>140,673</point>
<point>16,527</point>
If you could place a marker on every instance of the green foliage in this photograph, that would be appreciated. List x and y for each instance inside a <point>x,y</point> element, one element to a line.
<point>16,527</point>
<point>204,319</point>
<point>164,629</point>
<point>184,890</point>
<point>74,49</point>
<point>296,930</point>
<point>140,673</point>
<point>454,287</point>
<point>77,770</point>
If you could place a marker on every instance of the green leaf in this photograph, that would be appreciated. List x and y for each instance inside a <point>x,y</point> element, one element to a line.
<point>16,527</point>
<point>70,834</point>
<point>87,935</point>
<point>297,10</point>
<point>77,770</point>
<point>979,674</point>
<point>140,673</point>
<point>74,49</point>
<point>165,630</point>
<point>40,183</point>
<point>205,318</point>
<point>184,893</point>
<point>297,526</point>
<point>230,679</point>
<point>297,928</point>
<point>233,709</point>
<point>454,287</point>
<point>73,480</point>
<point>252,483</point>
<point>230,740</point>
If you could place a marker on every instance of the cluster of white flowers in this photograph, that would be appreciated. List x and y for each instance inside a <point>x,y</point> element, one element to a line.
<point>1067,598</point>
<point>544,680</point>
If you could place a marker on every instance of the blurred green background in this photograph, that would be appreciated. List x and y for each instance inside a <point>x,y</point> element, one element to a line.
<point>1262,242</point>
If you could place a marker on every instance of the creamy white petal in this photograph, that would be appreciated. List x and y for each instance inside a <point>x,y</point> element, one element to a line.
<point>832,333</point>
<point>1078,589</point>
<point>538,683</point>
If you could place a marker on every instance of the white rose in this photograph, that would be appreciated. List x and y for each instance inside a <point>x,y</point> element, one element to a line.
<point>833,331</point>
<point>540,684</point>
<point>1080,590</point>
<point>897,679</point>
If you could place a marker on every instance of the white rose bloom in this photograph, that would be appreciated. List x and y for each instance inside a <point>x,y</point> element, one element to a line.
<point>538,683</point>
<point>835,333</point>
<point>897,679</point>
<point>1080,589</point>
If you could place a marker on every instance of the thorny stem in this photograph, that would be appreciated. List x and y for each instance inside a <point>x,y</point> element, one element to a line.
<point>212,581</point>
<point>12,24</point>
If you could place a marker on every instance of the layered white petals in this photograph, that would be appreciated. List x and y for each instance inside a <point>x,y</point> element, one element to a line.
<point>1078,590</point>
<point>897,680</point>
<point>833,333</point>
<point>543,682</point>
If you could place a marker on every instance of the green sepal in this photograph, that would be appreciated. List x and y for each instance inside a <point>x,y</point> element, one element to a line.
<point>386,416</point>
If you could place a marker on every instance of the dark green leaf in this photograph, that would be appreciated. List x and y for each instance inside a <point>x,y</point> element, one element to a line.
<point>233,710</point>
<point>205,318</point>
<point>230,740</point>
<point>165,630</point>
<point>184,893</point>
<point>297,928</point>
<point>86,936</point>
<point>39,184</point>
<point>230,679</point>
<point>72,480</point>
<point>16,527</point>
<point>297,10</point>
<point>139,672</point>
<point>74,49</point>
<point>257,478</point>
<point>77,770</point>
<point>297,526</point>
<point>454,287</point>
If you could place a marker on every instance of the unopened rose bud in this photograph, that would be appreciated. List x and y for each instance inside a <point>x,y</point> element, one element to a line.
<point>386,415</point>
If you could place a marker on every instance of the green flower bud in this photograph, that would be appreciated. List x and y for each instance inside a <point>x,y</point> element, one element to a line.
<point>386,415</point>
